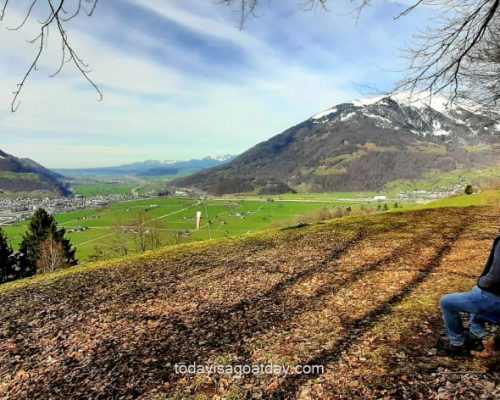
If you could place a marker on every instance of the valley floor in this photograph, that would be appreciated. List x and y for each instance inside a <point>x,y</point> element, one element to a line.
<point>357,296</point>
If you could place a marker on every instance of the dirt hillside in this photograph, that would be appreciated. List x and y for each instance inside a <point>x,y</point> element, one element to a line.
<point>358,296</point>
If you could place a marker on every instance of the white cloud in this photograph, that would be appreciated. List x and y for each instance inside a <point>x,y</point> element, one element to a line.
<point>156,109</point>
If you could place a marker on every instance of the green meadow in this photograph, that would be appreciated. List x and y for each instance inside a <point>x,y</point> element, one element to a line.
<point>119,185</point>
<point>175,218</point>
<point>224,217</point>
<point>484,198</point>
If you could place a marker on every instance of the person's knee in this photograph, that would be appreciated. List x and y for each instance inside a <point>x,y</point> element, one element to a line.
<point>445,301</point>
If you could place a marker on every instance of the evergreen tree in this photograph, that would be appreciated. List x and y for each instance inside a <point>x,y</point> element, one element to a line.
<point>386,207</point>
<point>42,226</point>
<point>7,272</point>
<point>468,189</point>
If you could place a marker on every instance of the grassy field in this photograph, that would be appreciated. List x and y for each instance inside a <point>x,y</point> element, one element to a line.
<point>484,198</point>
<point>356,296</point>
<point>93,188</point>
<point>119,185</point>
<point>176,215</point>
<point>228,218</point>
<point>435,181</point>
<point>327,196</point>
<point>14,176</point>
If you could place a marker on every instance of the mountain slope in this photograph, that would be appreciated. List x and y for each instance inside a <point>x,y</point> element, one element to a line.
<point>356,296</point>
<point>26,175</point>
<point>361,146</point>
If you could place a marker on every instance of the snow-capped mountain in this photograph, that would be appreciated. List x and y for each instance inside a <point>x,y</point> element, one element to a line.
<point>418,114</point>
<point>152,167</point>
<point>220,157</point>
<point>362,145</point>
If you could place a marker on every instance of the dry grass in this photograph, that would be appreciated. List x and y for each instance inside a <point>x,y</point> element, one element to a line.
<point>356,295</point>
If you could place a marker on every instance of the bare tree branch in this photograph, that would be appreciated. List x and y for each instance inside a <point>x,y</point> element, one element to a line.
<point>56,19</point>
<point>457,54</point>
<point>446,57</point>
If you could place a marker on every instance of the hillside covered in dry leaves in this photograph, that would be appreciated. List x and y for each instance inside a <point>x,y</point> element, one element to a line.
<point>358,296</point>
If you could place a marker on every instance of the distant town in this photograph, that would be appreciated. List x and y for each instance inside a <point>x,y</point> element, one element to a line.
<point>16,209</point>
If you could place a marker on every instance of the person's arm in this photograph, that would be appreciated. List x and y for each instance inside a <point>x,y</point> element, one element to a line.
<point>491,280</point>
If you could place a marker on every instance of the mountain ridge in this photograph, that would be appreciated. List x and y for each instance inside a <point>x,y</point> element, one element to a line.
<point>26,175</point>
<point>359,146</point>
<point>150,167</point>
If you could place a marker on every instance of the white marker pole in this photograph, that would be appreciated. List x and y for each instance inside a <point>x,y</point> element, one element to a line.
<point>198,220</point>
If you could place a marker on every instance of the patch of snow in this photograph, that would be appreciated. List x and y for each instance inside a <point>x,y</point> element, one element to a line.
<point>383,119</point>
<point>441,132</point>
<point>497,127</point>
<point>472,107</point>
<point>219,157</point>
<point>438,130</point>
<point>456,121</point>
<point>347,117</point>
<point>367,102</point>
<point>384,101</point>
<point>424,100</point>
<point>418,100</point>
<point>325,113</point>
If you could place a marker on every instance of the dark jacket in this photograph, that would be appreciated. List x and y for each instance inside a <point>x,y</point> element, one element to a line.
<point>490,278</point>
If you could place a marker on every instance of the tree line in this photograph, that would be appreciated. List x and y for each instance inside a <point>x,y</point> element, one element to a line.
<point>44,248</point>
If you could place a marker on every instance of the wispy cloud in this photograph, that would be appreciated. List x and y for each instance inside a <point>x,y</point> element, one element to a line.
<point>180,80</point>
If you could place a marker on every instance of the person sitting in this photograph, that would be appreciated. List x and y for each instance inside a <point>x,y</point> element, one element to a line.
<point>482,303</point>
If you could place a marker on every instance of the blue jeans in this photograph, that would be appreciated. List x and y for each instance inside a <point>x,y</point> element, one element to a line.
<point>480,304</point>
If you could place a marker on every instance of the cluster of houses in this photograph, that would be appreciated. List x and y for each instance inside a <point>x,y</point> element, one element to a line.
<point>77,229</point>
<point>14,209</point>
<point>423,195</point>
<point>242,215</point>
<point>183,192</point>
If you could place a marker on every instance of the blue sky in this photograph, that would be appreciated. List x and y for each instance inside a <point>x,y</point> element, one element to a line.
<point>181,80</point>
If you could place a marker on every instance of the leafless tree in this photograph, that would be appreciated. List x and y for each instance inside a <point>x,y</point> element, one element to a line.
<point>146,231</point>
<point>481,74</point>
<point>459,53</point>
<point>99,252</point>
<point>51,256</point>
<point>155,237</point>
<point>121,237</point>
<point>57,14</point>
<point>140,231</point>
<point>247,8</point>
